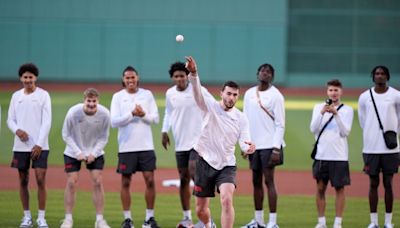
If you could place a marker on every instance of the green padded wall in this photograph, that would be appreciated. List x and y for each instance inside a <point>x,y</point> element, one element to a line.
<point>94,40</point>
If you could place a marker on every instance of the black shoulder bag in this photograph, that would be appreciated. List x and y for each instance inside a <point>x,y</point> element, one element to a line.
<point>390,137</point>
<point>314,151</point>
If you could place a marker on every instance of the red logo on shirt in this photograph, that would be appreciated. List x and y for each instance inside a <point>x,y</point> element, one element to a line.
<point>122,166</point>
<point>197,188</point>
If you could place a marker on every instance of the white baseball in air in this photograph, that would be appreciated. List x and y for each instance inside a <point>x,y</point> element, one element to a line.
<point>179,38</point>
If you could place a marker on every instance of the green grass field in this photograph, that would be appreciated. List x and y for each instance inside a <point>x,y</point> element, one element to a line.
<point>294,211</point>
<point>298,138</point>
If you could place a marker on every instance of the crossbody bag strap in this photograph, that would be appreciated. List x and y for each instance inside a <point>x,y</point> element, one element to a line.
<point>262,107</point>
<point>376,110</point>
<point>326,124</point>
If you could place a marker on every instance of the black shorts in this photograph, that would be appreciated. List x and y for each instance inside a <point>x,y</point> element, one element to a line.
<point>131,162</point>
<point>74,165</point>
<point>207,178</point>
<point>183,158</point>
<point>260,159</point>
<point>22,160</point>
<point>337,172</point>
<point>374,163</point>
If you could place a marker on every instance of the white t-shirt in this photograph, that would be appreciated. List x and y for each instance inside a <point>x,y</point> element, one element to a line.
<point>332,145</point>
<point>134,133</point>
<point>221,130</point>
<point>388,105</point>
<point>184,117</point>
<point>86,134</point>
<point>32,114</point>
<point>265,133</point>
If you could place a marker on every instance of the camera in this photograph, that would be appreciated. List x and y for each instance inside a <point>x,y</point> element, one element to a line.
<point>328,101</point>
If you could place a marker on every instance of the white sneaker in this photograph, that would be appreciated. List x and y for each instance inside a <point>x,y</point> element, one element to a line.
<point>373,225</point>
<point>67,223</point>
<point>185,223</point>
<point>320,225</point>
<point>26,222</point>
<point>272,225</point>
<point>101,224</point>
<point>253,224</point>
<point>389,225</point>
<point>41,223</point>
<point>199,224</point>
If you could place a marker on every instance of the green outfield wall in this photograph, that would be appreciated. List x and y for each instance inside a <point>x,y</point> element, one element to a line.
<point>308,41</point>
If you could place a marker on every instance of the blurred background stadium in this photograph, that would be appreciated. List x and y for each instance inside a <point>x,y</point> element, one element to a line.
<point>308,41</point>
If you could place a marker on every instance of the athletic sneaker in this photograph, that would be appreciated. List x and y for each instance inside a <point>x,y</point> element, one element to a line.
<point>151,223</point>
<point>388,226</point>
<point>272,225</point>
<point>26,222</point>
<point>67,223</point>
<point>199,224</point>
<point>101,224</point>
<point>41,223</point>
<point>253,224</point>
<point>185,223</point>
<point>373,225</point>
<point>320,225</point>
<point>127,223</point>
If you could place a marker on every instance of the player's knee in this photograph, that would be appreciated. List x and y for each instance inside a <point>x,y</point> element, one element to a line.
<point>41,182</point>
<point>374,184</point>
<point>97,182</point>
<point>387,184</point>
<point>24,182</point>
<point>226,202</point>
<point>150,183</point>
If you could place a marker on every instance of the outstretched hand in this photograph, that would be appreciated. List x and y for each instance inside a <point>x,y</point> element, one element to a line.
<point>191,64</point>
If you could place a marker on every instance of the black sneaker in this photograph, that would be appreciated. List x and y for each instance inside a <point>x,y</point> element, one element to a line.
<point>151,223</point>
<point>127,223</point>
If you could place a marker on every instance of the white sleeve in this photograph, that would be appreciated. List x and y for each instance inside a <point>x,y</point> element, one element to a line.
<point>344,120</point>
<point>117,119</point>
<point>316,120</point>
<point>12,118</point>
<point>67,132</point>
<point>361,111</point>
<point>279,112</point>
<point>151,115</point>
<point>244,133</point>
<point>46,121</point>
<point>198,95</point>
<point>102,138</point>
<point>166,121</point>
<point>398,111</point>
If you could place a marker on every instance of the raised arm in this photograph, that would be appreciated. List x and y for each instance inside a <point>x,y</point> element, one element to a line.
<point>194,79</point>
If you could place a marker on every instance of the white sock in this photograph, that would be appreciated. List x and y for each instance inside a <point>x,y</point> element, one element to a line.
<point>374,218</point>
<point>322,220</point>
<point>127,214</point>
<point>41,214</point>
<point>388,218</point>
<point>338,220</point>
<point>187,214</point>
<point>68,216</point>
<point>259,216</point>
<point>149,213</point>
<point>99,217</point>
<point>27,214</point>
<point>272,218</point>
